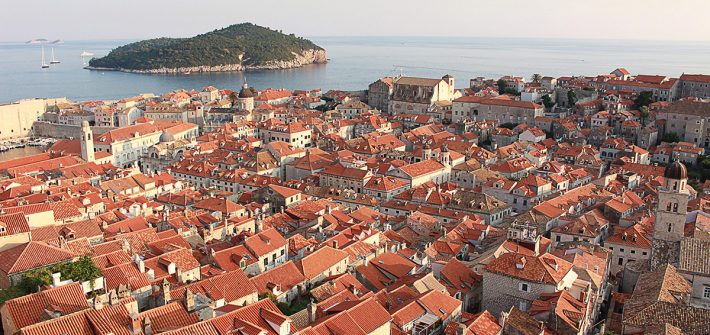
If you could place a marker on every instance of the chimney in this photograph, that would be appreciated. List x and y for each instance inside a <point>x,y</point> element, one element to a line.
<point>537,246</point>
<point>166,291</point>
<point>311,312</point>
<point>189,301</point>
<point>99,302</point>
<point>461,329</point>
<point>139,262</point>
<point>56,279</point>
<point>147,326</point>
<point>113,298</point>
<point>135,323</point>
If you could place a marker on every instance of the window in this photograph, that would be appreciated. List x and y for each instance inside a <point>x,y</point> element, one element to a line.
<point>706,292</point>
<point>523,306</point>
<point>621,261</point>
<point>524,287</point>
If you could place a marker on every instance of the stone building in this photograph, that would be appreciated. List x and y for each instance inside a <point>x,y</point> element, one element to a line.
<point>694,85</point>
<point>669,228</point>
<point>379,92</point>
<point>690,120</point>
<point>417,95</point>
<point>516,280</point>
<point>500,109</point>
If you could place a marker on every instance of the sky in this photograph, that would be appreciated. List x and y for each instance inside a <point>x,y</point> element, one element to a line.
<point>579,19</point>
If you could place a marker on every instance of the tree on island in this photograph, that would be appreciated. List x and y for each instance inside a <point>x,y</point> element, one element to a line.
<point>536,78</point>
<point>644,98</point>
<point>502,85</point>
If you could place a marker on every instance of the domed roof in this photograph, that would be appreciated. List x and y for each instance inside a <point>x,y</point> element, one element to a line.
<point>676,170</point>
<point>246,92</point>
<point>166,136</point>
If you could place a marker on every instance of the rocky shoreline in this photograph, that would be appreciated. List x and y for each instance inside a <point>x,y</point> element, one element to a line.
<point>312,56</point>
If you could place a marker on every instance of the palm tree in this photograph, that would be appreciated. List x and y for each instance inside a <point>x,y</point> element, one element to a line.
<point>536,78</point>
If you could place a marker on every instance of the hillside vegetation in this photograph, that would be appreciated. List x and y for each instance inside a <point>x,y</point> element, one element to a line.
<point>259,45</point>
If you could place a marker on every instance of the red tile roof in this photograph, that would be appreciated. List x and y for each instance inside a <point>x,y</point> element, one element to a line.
<point>265,242</point>
<point>286,276</point>
<point>546,268</point>
<point>320,260</point>
<point>31,255</point>
<point>30,309</point>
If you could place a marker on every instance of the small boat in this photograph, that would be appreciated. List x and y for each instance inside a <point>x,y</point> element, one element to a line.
<point>44,64</point>
<point>85,54</point>
<point>187,72</point>
<point>53,60</point>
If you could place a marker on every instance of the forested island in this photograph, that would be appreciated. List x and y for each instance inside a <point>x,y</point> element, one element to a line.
<point>238,47</point>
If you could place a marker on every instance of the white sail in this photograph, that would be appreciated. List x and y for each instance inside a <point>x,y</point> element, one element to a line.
<point>44,65</point>
<point>53,60</point>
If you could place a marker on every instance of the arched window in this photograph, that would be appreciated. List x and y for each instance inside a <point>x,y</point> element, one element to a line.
<point>670,227</point>
<point>668,207</point>
<point>675,208</point>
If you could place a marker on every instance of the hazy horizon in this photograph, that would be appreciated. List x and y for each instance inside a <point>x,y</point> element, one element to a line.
<point>80,20</point>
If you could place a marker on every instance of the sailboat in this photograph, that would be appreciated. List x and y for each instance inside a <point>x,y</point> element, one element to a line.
<point>85,54</point>
<point>44,64</point>
<point>53,60</point>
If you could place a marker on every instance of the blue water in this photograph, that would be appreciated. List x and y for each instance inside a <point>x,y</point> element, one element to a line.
<point>355,62</point>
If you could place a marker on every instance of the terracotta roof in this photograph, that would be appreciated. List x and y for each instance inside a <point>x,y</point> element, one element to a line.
<point>546,268</point>
<point>168,317</point>
<point>286,276</point>
<point>30,309</point>
<point>31,255</point>
<point>265,242</point>
<point>220,286</point>
<point>320,260</point>
<point>253,319</point>
<point>422,168</point>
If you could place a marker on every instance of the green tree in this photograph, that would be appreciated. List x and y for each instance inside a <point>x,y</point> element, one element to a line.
<point>501,86</point>
<point>670,138</point>
<point>547,101</point>
<point>82,270</point>
<point>571,97</point>
<point>232,98</point>
<point>536,78</point>
<point>644,98</point>
<point>34,279</point>
<point>644,114</point>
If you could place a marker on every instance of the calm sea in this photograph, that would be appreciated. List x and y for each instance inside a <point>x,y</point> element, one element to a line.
<point>355,62</point>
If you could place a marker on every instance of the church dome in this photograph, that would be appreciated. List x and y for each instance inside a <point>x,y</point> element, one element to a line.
<point>166,136</point>
<point>246,92</point>
<point>676,170</point>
